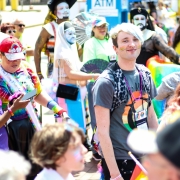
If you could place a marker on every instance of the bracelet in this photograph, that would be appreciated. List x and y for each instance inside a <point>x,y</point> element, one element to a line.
<point>116,177</point>
<point>39,73</point>
<point>10,111</point>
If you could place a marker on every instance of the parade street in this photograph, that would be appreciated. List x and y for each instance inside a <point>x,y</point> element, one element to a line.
<point>33,20</point>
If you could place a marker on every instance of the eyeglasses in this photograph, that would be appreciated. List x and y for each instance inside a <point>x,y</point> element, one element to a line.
<point>20,25</point>
<point>102,27</point>
<point>11,31</point>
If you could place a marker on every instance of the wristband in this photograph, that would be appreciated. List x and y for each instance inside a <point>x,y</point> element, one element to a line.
<point>39,73</point>
<point>116,177</point>
<point>55,107</point>
<point>10,111</point>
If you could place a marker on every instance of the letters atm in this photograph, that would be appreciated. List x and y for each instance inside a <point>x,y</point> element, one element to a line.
<point>115,11</point>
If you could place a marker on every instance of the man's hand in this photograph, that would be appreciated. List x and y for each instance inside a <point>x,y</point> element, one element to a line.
<point>18,104</point>
<point>65,116</point>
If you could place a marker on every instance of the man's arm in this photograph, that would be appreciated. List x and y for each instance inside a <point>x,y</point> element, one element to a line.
<point>41,41</point>
<point>166,50</point>
<point>103,124</point>
<point>152,119</point>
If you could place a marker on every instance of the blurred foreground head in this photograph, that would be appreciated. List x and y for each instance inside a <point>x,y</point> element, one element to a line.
<point>13,166</point>
<point>162,151</point>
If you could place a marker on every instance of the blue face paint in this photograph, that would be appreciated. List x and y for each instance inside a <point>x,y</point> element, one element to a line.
<point>70,35</point>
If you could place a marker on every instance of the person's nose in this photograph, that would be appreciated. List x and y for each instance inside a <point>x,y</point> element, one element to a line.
<point>131,43</point>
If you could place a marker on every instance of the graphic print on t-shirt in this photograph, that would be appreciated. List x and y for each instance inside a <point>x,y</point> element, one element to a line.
<point>130,109</point>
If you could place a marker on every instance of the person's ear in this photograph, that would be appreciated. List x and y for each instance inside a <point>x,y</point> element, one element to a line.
<point>115,48</point>
<point>1,56</point>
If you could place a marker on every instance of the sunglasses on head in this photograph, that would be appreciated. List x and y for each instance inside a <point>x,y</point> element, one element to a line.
<point>20,25</point>
<point>11,31</point>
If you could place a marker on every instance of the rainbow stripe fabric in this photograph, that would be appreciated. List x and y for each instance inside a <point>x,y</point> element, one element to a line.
<point>6,92</point>
<point>138,174</point>
<point>160,69</point>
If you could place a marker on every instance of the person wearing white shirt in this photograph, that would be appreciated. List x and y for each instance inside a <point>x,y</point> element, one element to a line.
<point>59,150</point>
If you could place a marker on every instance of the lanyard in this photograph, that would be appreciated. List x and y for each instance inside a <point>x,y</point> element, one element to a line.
<point>129,89</point>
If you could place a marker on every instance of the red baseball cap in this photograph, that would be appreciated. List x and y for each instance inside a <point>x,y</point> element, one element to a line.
<point>12,48</point>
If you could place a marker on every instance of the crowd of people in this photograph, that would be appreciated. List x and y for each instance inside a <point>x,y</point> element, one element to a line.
<point>121,98</point>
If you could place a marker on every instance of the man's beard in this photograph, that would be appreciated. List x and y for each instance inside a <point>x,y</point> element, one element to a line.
<point>141,26</point>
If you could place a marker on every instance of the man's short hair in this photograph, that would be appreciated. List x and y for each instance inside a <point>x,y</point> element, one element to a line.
<point>128,28</point>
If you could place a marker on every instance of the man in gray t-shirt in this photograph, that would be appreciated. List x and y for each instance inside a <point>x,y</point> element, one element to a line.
<point>135,110</point>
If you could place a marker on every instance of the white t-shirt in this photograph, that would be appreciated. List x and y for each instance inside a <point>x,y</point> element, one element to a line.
<point>51,174</point>
<point>49,28</point>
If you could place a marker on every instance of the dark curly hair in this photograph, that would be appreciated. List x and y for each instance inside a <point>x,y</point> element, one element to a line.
<point>176,37</point>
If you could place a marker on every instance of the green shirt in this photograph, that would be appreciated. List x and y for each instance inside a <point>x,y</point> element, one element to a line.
<point>98,49</point>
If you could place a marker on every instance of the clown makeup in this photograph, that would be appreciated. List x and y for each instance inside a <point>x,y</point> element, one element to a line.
<point>63,10</point>
<point>70,35</point>
<point>140,21</point>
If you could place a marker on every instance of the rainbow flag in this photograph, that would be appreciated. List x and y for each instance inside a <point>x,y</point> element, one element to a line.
<point>160,69</point>
<point>138,174</point>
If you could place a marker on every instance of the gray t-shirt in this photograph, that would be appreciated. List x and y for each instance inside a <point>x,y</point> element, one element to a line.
<point>103,91</point>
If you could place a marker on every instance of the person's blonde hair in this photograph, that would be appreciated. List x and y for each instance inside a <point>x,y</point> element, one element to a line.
<point>128,28</point>
<point>51,143</point>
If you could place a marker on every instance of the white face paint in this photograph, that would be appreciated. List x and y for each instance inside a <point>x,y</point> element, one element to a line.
<point>140,21</point>
<point>63,10</point>
<point>70,35</point>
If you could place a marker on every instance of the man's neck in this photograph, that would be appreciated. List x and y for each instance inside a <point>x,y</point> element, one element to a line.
<point>126,65</point>
<point>64,173</point>
<point>18,35</point>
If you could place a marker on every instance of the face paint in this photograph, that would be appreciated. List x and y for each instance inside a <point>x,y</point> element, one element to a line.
<point>63,10</point>
<point>140,21</point>
<point>70,35</point>
<point>122,48</point>
<point>77,154</point>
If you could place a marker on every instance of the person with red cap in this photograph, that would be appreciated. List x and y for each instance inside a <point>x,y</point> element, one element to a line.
<point>17,78</point>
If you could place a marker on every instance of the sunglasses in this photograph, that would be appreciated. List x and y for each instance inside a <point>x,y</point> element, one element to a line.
<point>101,27</point>
<point>20,25</point>
<point>11,31</point>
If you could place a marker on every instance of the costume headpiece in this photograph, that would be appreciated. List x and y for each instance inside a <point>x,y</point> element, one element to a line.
<point>139,10</point>
<point>52,4</point>
<point>142,11</point>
